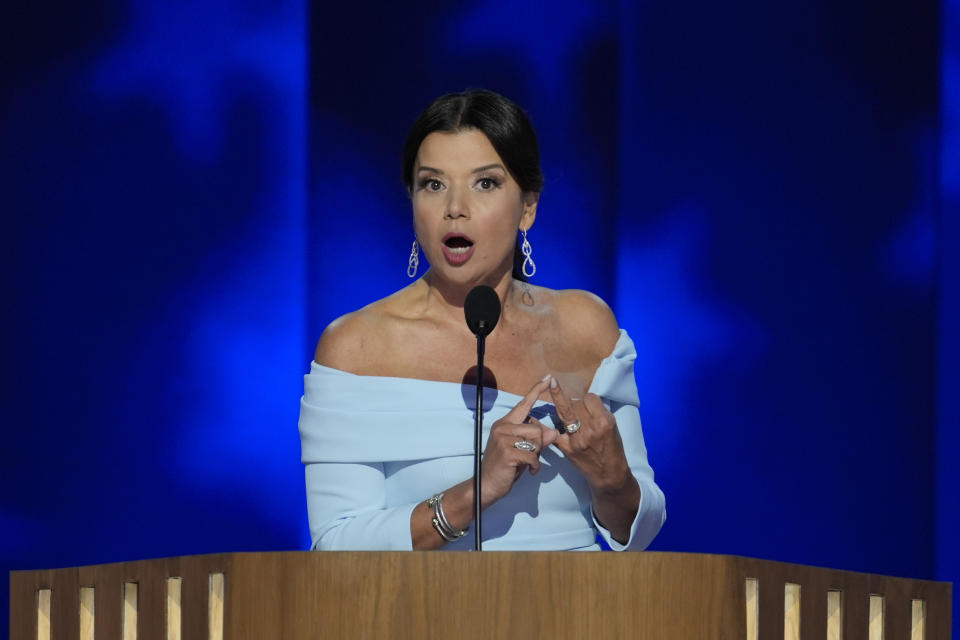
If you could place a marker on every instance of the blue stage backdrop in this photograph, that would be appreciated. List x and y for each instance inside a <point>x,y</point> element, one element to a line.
<point>192,191</point>
<point>948,301</point>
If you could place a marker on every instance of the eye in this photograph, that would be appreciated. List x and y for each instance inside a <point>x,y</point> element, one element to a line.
<point>430,184</point>
<point>487,183</point>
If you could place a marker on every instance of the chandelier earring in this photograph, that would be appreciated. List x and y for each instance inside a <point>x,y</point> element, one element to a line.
<point>414,262</point>
<point>527,251</point>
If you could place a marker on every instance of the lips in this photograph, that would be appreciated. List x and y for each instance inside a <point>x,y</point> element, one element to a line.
<point>457,248</point>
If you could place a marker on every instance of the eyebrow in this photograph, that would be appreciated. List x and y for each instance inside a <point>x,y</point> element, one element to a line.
<point>488,167</point>
<point>485,167</point>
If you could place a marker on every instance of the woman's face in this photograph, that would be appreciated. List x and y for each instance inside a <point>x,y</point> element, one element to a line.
<point>467,207</point>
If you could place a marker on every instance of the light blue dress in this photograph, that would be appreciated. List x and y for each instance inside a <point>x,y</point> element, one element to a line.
<point>374,447</point>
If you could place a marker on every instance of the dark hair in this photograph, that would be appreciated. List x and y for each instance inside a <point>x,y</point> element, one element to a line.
<point>504,123</point>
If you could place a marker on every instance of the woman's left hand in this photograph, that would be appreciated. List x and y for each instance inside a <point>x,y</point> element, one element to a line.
<point>596,448</point>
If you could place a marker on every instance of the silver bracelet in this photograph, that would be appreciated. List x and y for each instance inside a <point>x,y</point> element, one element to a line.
<point>440,522</point>
<point>446,536</point>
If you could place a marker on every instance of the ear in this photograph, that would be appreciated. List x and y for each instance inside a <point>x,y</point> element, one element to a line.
<point>530,201</point>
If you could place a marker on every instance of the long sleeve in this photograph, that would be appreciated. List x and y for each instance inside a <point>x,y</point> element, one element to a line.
<point>652,511</point>
<point>347,509</point>
<point>355,432</point>
<point>617,387</point>
<point>351,428</point>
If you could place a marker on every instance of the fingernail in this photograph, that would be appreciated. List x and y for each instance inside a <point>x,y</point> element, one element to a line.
<point>553,383</point>
<point>545,378</point>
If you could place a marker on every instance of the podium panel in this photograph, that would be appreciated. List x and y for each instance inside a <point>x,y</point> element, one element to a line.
<point>642,595</point>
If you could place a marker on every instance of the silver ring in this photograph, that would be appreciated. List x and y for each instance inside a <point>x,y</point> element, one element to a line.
<point>525,445</point>
<point>573,428</point>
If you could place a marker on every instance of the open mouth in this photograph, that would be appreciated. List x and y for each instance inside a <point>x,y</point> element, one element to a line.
<point>457,244</point>
<point>457,248</point>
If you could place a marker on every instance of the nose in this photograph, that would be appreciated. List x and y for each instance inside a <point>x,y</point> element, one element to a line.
<point>457,205</point>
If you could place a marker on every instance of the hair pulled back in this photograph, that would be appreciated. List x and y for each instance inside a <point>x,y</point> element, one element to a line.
<point>504,123</point>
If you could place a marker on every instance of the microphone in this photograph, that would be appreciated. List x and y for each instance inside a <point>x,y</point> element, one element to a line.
<point>482,311</point>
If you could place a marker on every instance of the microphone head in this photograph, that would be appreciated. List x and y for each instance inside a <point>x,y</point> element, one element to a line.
<point>482,310</point>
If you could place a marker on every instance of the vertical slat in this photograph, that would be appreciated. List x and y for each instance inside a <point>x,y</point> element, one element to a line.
<point>87,597</point>
<point>131,607</point>
<point>174,593</point>
<point>107,583</point>
<point>215,606</point>
<point>875,626</point>
<point>44,596</point>
<point>791,611</point>
<point>753,607</point>
<point>770,612</point>
<point>834,615</point>
<point>918,620</point>
<point>65,604</point>
<point>152,599</point>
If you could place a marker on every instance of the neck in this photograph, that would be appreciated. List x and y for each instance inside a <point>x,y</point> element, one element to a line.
<point>445,299</point>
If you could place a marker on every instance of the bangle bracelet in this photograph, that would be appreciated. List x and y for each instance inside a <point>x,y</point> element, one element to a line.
<point>449,532</point>
<point>443,534</point>
<point>440,522</point>
<point>446,523</point>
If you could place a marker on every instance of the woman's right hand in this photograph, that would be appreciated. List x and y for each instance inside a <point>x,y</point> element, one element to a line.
<point>503,463</point>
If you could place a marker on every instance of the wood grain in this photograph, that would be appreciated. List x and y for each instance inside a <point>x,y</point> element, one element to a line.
<point>173,617</point>
<point>215,607</point>
<point>129,619</point>
<point>918,620</point>
<point>834,614</point>
<point>87,612</point>
<point>753,607</point>
<point>876,618</point>
<point>43,614</point>
<point>791,611</point>
<point>297,595</point>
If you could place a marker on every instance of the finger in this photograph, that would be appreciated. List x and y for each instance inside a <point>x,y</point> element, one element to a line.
<point>532,433</point>
<point>548,435</point>
<point>594,406</point>
<point>562,442</point>
<point>579,410</point>
<point>534,465</point>
<point>526,459</point>
<point>565,410</point>
<point>513,433</point>
<point>520,412</point>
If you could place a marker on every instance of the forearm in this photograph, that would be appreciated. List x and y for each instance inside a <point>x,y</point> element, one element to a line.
<point>457,507</point>
<point>615,506</point>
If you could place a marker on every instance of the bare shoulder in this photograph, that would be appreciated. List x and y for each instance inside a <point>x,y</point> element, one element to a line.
<point>587,320</point>
<point>345,340</point>
<point>354,342</point>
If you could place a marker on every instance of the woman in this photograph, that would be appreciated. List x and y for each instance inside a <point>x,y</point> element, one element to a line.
<point>387,417</point>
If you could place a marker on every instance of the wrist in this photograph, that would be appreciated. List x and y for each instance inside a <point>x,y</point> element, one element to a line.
<point>440,522</point>
<point>459,505</point>
<point>613,483</point>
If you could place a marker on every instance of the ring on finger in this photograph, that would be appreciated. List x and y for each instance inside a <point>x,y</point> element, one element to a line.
<point>525,445</point>
<point>573,427</point>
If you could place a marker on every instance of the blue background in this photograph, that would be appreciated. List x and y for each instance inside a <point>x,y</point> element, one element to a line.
<point>766,194</point>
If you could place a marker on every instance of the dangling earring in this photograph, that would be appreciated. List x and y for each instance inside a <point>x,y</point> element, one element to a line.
<point>414,263</point>
<point>527,250</point>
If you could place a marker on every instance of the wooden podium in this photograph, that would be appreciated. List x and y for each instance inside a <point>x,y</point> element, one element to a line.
<point>297,595</point>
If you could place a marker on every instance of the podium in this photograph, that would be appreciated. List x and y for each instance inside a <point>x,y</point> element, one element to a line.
<point>553,595</point>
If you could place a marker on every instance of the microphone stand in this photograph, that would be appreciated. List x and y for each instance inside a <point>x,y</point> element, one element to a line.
<point>478,441</point>
<point>481,310</point>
